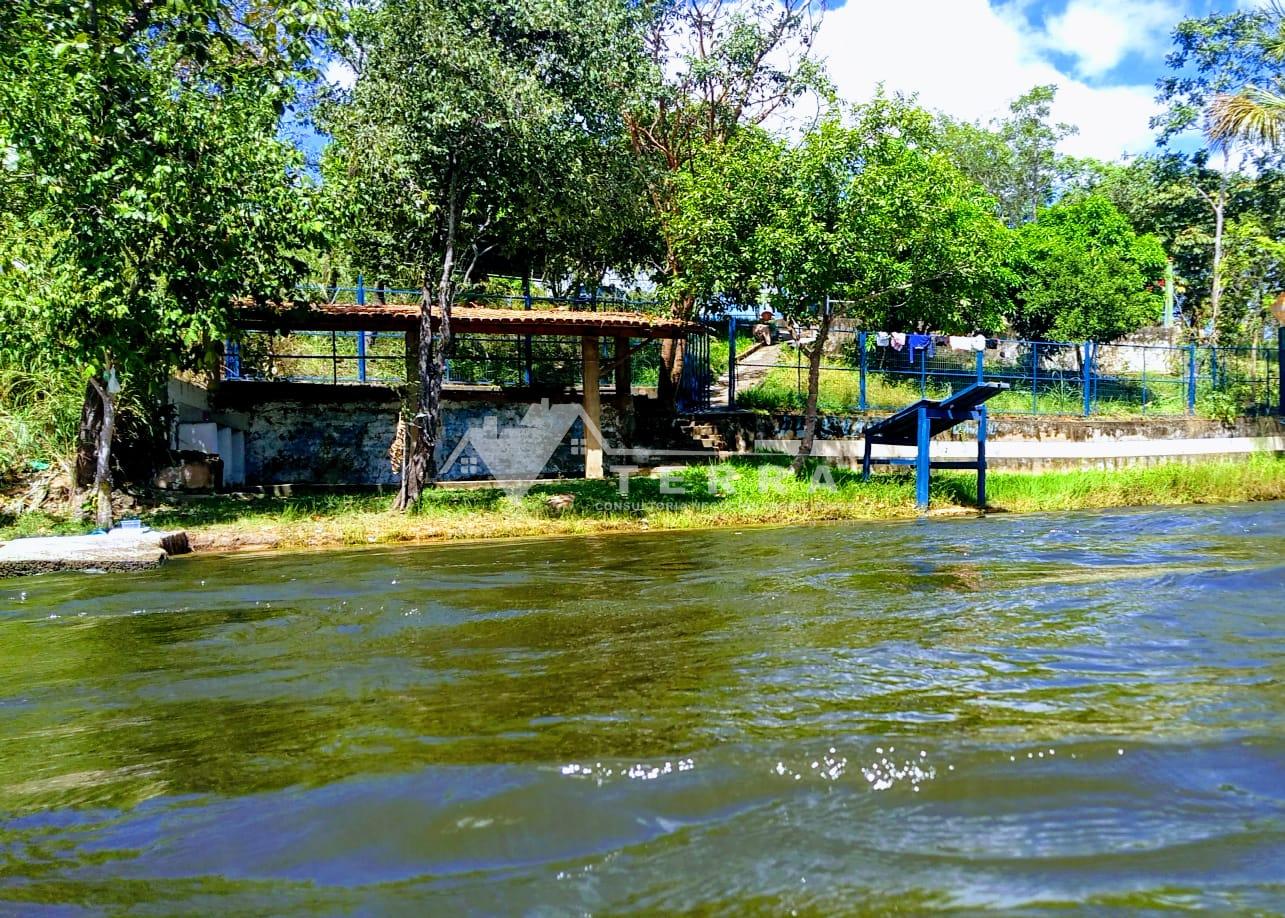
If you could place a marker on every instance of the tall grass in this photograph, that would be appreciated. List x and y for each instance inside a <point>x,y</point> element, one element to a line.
<point>39,414</point>
<point>733,493</point>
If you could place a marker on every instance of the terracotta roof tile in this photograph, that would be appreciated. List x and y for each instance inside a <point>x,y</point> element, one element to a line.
<point>473,317</point>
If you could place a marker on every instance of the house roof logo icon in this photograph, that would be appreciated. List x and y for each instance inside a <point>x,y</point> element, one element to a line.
<point>517,453</point>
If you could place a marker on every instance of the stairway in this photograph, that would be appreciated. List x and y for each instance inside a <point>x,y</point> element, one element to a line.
<point>699,434</point>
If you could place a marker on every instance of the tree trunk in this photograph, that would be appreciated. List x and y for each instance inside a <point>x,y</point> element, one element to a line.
<point>103,457</point>
<point>91,422</point>
<point>669,381</point>
<point>814,391</point>
<point>420,464</point>
<point>1216,284</point>
<point>1219,204</point>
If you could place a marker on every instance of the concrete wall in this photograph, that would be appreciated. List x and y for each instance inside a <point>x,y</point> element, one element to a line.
<point>1031,443</point>
<point>297,433</point>
<point>322,434</point>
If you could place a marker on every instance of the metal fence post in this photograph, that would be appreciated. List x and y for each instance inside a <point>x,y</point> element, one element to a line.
<point>1144,380</point>
<point>1086,378</point>
<point>731,361</point>
<point>528,374</point>
<point>1035,377</point>
<point>361,335</point>
<point>981,367</point>
<point>1191,379</point>
<point>861,385</point>
<point>1280,371</point>
<point>923,372</point>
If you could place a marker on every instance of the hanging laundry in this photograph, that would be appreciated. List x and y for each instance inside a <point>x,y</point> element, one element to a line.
<point>968,342</point>
<point>898,340</point>
<point>920,342</point>
<point>882,339</point>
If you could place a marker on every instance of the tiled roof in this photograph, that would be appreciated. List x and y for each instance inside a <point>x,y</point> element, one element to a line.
<point>471,318</point>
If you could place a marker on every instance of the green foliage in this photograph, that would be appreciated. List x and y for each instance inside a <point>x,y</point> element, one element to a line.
<point>870,213</point>
<point>1015,158</point>
<point>146,184</point>
<point>1220,55</point>
<point>714,69</point>
<point>1085,275</point>
<point>478,125</point>
<point>1253,275</point>
<point>39,410</point>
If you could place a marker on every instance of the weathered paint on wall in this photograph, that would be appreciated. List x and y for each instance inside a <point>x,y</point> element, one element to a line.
<point>319,434</point>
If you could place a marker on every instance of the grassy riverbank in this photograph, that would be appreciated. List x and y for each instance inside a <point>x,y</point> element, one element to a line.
<point>732,494</point>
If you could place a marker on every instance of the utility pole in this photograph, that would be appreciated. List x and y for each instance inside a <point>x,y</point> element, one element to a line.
<point>1169,294</point>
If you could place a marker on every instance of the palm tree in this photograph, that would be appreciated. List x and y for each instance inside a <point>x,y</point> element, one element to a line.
<point>1253,115</point>
<point>1256,114</point>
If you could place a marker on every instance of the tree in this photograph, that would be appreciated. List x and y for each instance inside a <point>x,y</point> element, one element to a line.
<point>1016,158</point>
<point>463,116</point>
<point>1254,115</point>
<point>716,67</point>
<point>1084,274</point>
<point>1034,143</point>
<point>155,190</point>
<point>1223,64</point>
<point>1255,273</point>
<point>867,219</point>
<point>1219,57</point>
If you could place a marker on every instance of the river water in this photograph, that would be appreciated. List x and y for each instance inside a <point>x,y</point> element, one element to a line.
<point>1013,711</point>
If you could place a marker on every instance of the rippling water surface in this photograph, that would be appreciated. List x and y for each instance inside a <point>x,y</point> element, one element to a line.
<point>1023,711</point>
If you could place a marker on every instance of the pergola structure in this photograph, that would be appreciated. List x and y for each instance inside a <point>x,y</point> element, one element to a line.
<point>480,319</point>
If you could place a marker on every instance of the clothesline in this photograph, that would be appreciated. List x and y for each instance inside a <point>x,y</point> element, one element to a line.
<point>900,341</point>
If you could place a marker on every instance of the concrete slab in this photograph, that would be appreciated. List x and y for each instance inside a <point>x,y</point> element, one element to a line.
<point>118,550</point>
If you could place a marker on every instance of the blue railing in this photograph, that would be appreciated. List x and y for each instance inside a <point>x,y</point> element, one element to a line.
<point>1046,377</point>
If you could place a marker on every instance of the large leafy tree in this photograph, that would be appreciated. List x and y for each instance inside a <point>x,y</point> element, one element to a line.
<point>152,189</point>
<point>1225,80</point>
<point>716,67</point>
<point>463,124</point>
<point>1168,196</point>
<point>1084,274</point>
<point>1016,157</point>
<point>866,219</point>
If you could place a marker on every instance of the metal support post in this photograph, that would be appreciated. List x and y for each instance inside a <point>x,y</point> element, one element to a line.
<point>922,460</point>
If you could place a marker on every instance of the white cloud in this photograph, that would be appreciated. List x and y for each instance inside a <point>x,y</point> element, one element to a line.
<point>1099,33</point>
<point>340,73</point>
<point>970,60</point>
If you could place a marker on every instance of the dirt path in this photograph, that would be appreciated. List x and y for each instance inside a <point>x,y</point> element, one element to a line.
<point>752,368</point>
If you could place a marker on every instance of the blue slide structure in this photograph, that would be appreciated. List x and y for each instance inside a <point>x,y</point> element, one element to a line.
<point>917,424</point>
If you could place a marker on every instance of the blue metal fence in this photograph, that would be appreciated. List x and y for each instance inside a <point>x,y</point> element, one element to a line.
<point>1046,377</point>
<point>503,361</point>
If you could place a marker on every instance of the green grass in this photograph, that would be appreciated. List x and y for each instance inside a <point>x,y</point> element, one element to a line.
<point>39,414</point>
<point>735,493</point>
<point>1124,396</point>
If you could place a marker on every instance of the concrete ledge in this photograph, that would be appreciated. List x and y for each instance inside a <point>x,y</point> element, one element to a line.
<point>118,550</point>
<point>1047,454</point>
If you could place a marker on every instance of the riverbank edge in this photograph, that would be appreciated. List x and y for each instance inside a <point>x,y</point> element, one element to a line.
<point>228,524</point>
<point>1176,484</point>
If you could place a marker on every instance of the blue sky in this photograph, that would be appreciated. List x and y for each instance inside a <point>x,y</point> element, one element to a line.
<point>971,57</point>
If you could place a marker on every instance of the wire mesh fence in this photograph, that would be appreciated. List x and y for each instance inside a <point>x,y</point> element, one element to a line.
<point>863,371</point>
<point>504,362</point>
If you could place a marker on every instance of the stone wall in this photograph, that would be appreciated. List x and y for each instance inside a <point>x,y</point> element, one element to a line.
<point>298,433</point>
<point>1015,442</point>
<point>301,433</point>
